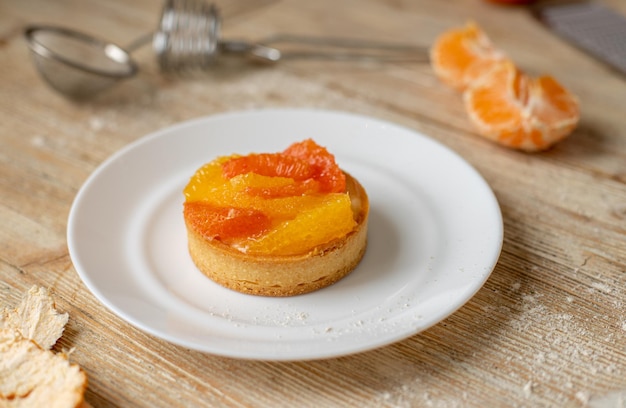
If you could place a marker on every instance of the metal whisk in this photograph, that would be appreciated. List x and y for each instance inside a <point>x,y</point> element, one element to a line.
<point>189,38</point>
<point>188,35</point>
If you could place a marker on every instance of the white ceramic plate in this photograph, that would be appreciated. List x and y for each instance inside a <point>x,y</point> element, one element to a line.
<point>435,235</point>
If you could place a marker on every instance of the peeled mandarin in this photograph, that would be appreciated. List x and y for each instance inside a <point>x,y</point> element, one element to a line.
<point>505,105</point>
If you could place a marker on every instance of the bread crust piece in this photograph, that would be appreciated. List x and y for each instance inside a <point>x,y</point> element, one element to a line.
<point>285,275</point>
<point>33,377</point>
<point>36,318</point>
<point>30,374</point>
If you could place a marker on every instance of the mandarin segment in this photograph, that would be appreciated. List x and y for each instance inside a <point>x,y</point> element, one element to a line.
<point>269,164</point>
<point>206,181</point>
<point>250,181</point>
<point>300,188</point>
<point>554,103</point>
<point>521,112</point>
<point>267,187</point>
<point>328,173</point>
<point>494,102</point>
<point>226,224</point>
<point>461,55</point>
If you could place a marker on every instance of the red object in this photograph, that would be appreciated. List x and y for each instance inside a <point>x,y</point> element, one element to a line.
<point>512,1</point>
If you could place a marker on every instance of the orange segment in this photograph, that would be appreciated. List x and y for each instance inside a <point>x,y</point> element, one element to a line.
<point>329,220</point>
<point>300,188</point>
<point>207,181</point>
<point>225,224</point>
<point>518,111</point>
<point>495,103</point>
<point>459,56</point>
<point>252,181</point>
<point>553,103</point>
<point>273,187</point>
<point>327,172</point>
<point>269,164</point>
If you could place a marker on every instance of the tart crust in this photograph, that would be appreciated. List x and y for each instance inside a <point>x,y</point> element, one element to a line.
<point>285,275</point>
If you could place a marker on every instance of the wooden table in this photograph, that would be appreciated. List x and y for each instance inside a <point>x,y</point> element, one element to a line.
<point>547,329</point>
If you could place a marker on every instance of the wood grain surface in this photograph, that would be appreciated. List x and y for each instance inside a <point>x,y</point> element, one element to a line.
<point>547,329</point>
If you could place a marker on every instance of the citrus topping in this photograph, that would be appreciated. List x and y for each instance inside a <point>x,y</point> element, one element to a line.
<point>329,220</point>
<point>505,105</point>
<point>225,224</point>
<point>251,202</point>
<point>210,186</point>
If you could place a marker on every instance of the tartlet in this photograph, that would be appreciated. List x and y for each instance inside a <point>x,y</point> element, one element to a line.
<point>276,224</point>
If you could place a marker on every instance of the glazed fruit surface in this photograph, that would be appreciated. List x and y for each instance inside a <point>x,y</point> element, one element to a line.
<point>282,203</point>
